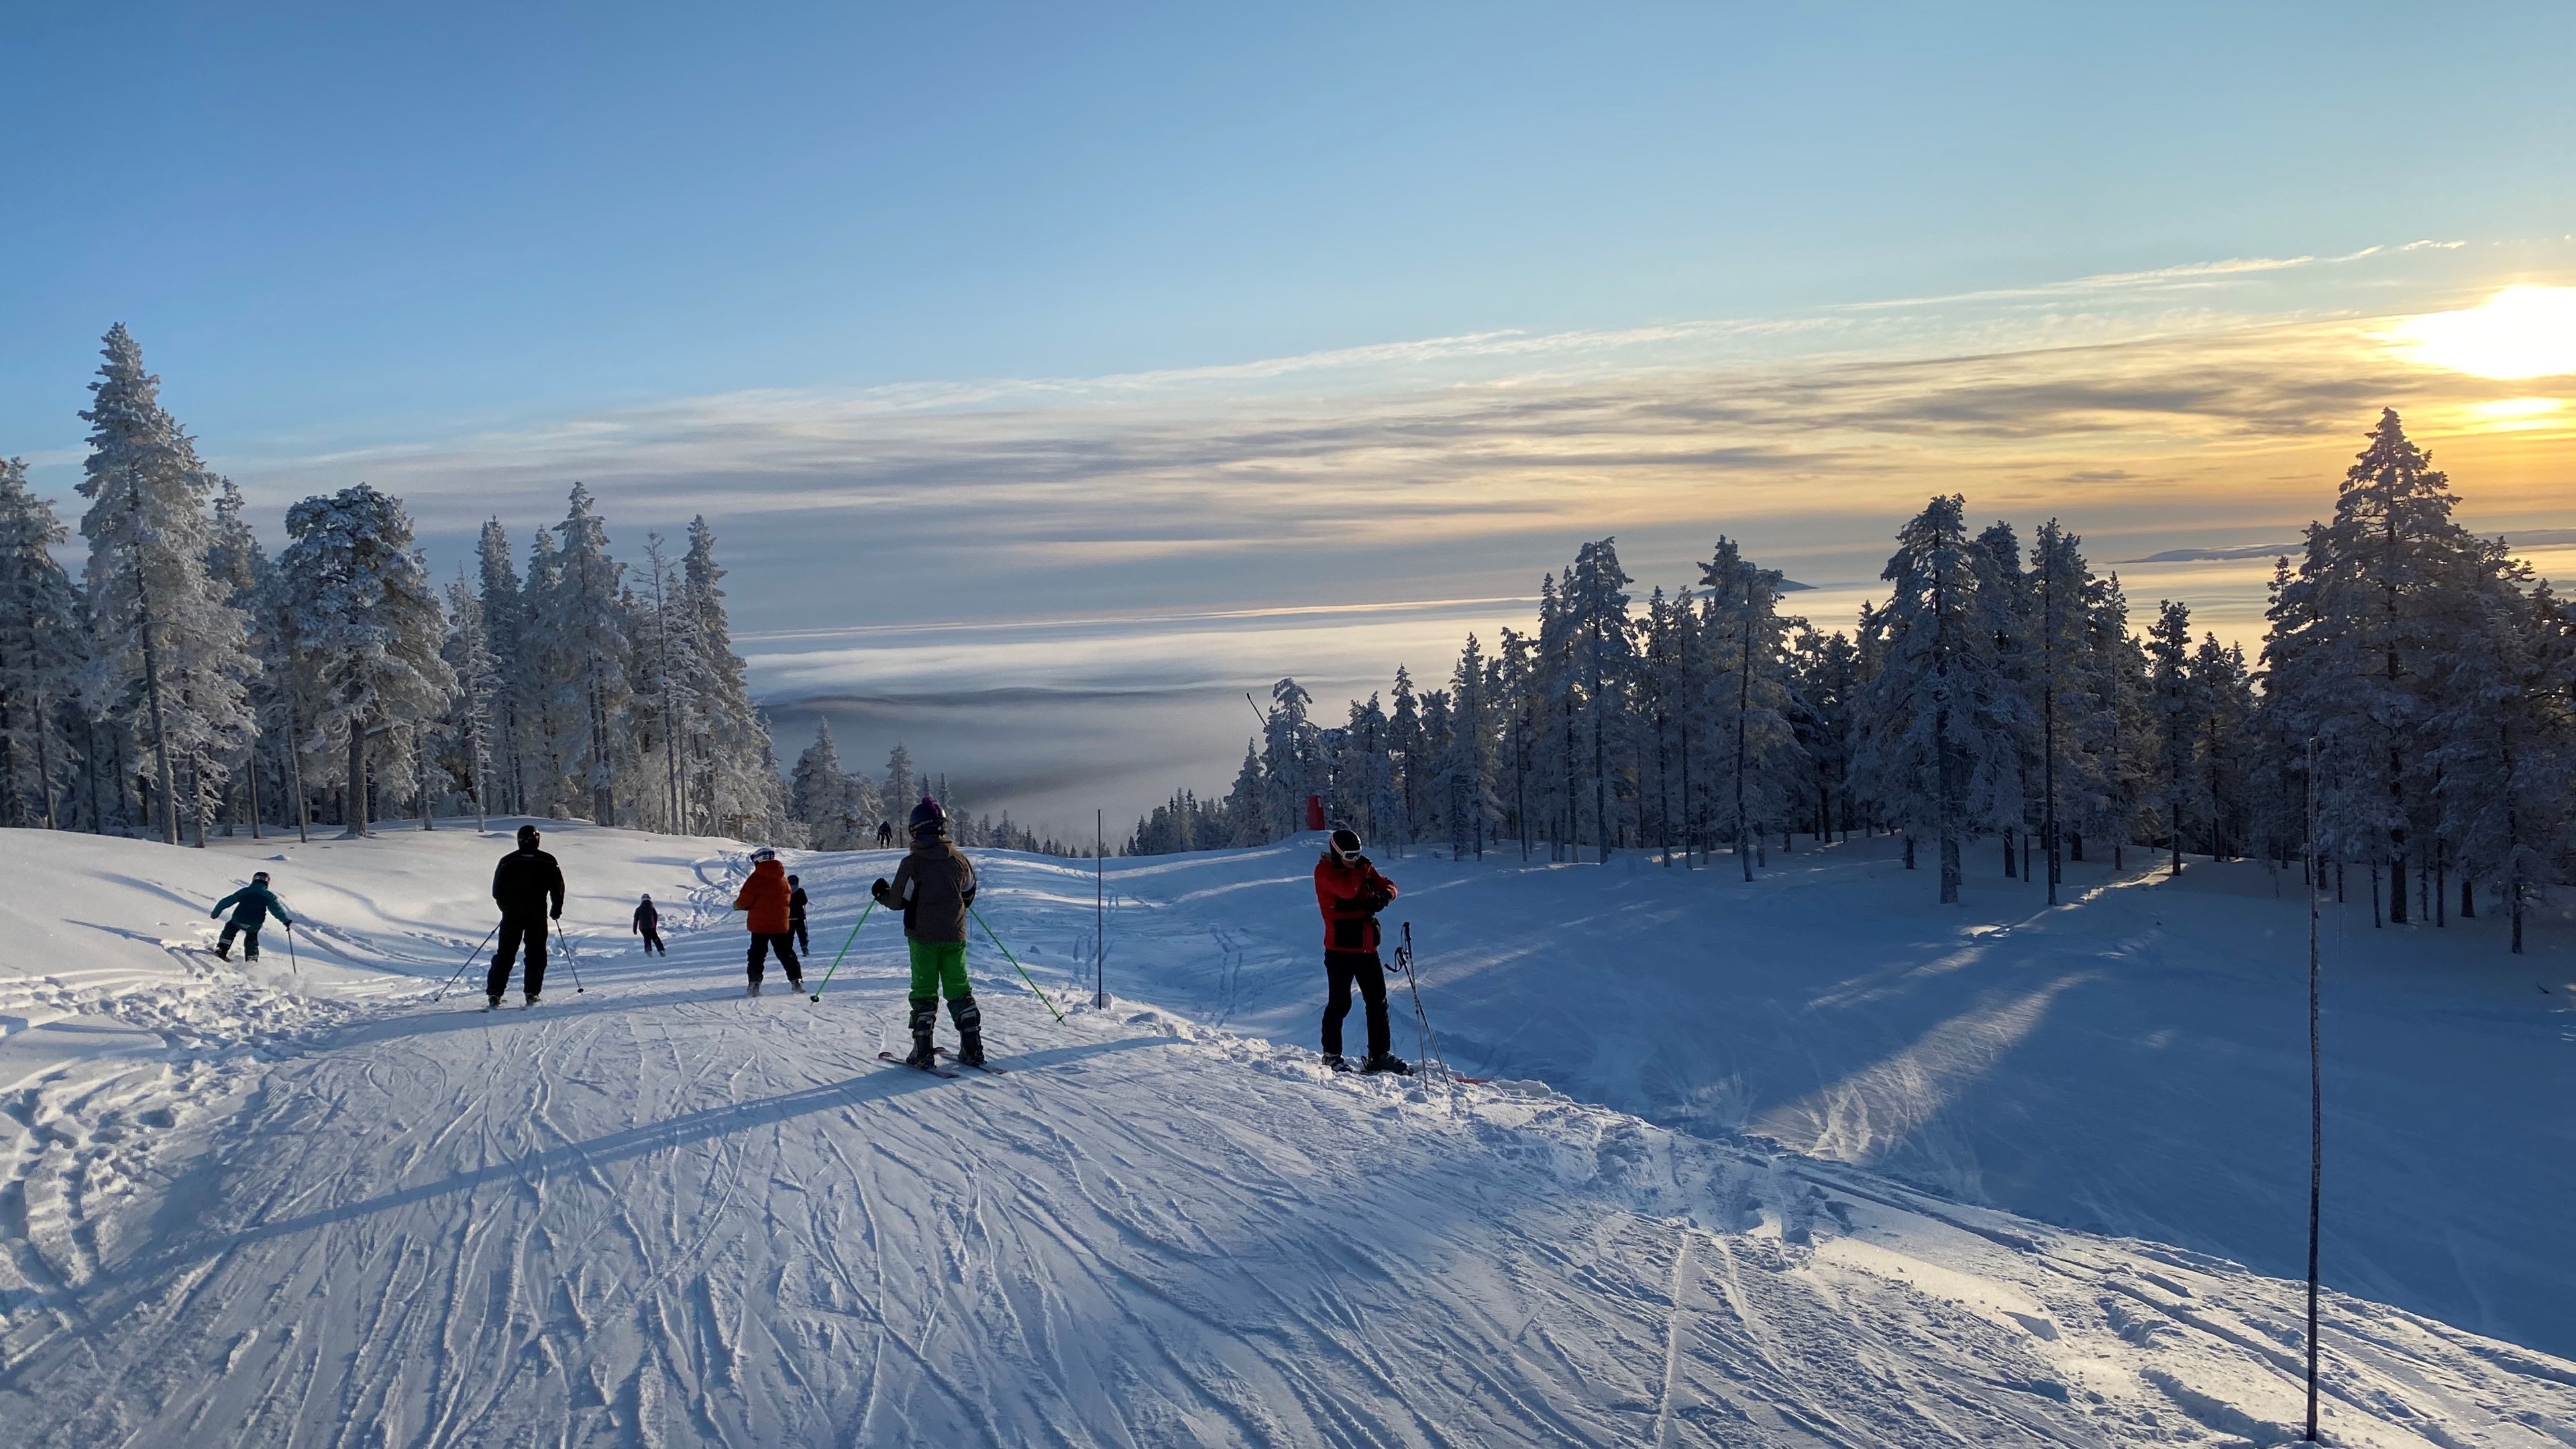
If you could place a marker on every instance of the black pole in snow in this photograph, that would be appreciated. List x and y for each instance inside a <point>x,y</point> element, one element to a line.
<point>1100,908</point>
<point>2316,1100</point>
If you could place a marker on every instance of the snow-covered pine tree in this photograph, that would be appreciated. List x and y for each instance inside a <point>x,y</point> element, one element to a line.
<point>170,657</point>
<point>2501,754</point>
<point>1438,726</point>
<point>1752,701</point>
<point>2121,735</point>
<point>2357,640</point>
<point>1242,808</point>
<point>2177,711</point>
<point>740,791</point>
<point>586,640</point>
<point>819,791</point>
<point>902,787</point>
<point>239,566</point>
<point>1405,757</point>
<point>1932,747</point>
<point>1516,693</point>
<point>2223,694</point>
<point>504,609</point>
<point>2003,606</point>
<point>542,661</point>
<point>664,653</point>
<point>1467,765</point>
<point>369,634</point>
<point>1828,684</point>
<point>40,657</point>
<point>1595,601</point>
<point>1288,751</point>
<point>2059,654</point>
<point>472,716</point>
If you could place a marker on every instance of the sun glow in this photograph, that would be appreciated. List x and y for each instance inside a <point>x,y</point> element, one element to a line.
<point>2517,333</point>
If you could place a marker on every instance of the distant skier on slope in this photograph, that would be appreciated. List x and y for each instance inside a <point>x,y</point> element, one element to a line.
<point>648,923</point>
<point>1351,893</point>
<point>796,914</point>
<point>763,900</point>
<point>933,888</point>
<point>529,888</point>
<point>251,906</point>
<point>885,834</point>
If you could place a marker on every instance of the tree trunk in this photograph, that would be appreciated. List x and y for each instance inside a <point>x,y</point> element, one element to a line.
<point>2468,898</point>
<point>354,811</point>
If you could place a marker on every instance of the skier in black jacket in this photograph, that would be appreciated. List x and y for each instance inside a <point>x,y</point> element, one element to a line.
<point>796,914</point>
<point>529,888</point>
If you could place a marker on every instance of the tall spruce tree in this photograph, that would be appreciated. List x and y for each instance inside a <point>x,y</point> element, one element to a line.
<point>170,657</point>
<point>40,656</point>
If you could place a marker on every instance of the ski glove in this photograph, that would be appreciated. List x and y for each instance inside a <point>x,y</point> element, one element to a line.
<point>883,892</point>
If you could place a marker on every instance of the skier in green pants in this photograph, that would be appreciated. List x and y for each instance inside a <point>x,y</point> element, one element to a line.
<point>933,887</point>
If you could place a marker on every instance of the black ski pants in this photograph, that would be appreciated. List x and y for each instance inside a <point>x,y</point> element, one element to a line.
<point>784,943</point>
<point>796,928</point>
<point>653,942</point>
<point>250,939</point>
<point>1343,969</point>
<point>516,931</point>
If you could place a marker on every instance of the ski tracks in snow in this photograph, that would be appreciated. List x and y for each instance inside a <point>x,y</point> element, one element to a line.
<point>661,1213</point>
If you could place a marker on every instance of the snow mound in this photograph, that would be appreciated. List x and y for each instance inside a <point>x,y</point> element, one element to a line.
<point>310,1206</point>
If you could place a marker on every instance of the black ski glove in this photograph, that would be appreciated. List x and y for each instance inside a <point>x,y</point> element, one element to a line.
<point>883,893</point>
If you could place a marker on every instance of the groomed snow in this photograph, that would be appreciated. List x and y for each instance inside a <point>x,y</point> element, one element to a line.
<point>301,1204</point>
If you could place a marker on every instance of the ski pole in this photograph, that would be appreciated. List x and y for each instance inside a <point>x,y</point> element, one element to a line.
<point>1421,1018</point>
<point>1015,964</point>
<point>468,961</point>
<point>291,963</point>
<point>845,946</point>
<point>572,959</point>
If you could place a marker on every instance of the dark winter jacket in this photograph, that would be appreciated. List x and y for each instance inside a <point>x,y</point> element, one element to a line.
<point>528,886</point>
<point>796,904</point>
<point>1351,896</point>
<point>764,897</point>
<point>933,888</point>
<point>258,903</point>
<point>647,919</point>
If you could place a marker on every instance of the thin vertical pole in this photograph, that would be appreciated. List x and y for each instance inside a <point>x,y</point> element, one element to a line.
<point>2316,1102</point>
<point>1100,909</point>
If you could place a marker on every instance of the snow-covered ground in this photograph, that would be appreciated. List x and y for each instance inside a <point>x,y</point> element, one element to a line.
<point>300,1204</point>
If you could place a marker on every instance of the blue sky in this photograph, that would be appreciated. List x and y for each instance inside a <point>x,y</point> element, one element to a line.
<point>330,219</point>
<point>974,320</point>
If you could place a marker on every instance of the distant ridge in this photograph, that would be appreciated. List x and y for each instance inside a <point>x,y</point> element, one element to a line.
<point>2519,537</point>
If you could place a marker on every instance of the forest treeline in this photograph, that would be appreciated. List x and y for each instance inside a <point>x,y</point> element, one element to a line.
<point>2416,688</point>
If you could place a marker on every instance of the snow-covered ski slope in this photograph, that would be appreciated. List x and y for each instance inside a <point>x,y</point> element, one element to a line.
<point>302,1205</point>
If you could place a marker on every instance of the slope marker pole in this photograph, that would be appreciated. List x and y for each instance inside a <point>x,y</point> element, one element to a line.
<point>2316,1099</point>
<point>1015,964</point>
<point>845,947</point>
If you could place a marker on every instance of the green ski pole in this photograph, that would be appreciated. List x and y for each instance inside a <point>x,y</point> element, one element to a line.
<point>1015,964</point>
<point>845,948</point>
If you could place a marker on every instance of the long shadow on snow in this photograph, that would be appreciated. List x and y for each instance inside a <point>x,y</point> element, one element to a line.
<point>874,1086</point>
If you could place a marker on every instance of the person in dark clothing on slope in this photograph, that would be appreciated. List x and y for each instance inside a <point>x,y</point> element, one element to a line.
<point>763,900</point>
<point>529,888</point>
<point>251,906</point>
<point>796,915</point>
<point>934,888</point>
<point>1351,893</point>
<point>885,835</point>
<point>648,923</point>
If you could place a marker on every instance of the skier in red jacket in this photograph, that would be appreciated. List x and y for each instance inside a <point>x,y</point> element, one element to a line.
<point>1350,893</point>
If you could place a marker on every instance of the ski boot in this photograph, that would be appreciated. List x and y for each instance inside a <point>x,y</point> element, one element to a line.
<point>969,1020</point>
<point>223,953</point>
<point>751,989</point>
<point>1387,1062</point>
<point>796,984</point>
<point>530,1001</point>
<point>492,1001</point>
<point>1337,1061</point>
<point>925,1019</point>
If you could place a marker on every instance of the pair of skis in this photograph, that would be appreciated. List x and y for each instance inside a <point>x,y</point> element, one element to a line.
<point>939,1071</point>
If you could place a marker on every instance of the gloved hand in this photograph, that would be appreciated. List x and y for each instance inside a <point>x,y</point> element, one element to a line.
<point>1374,901</point>
<point>883,892</point>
